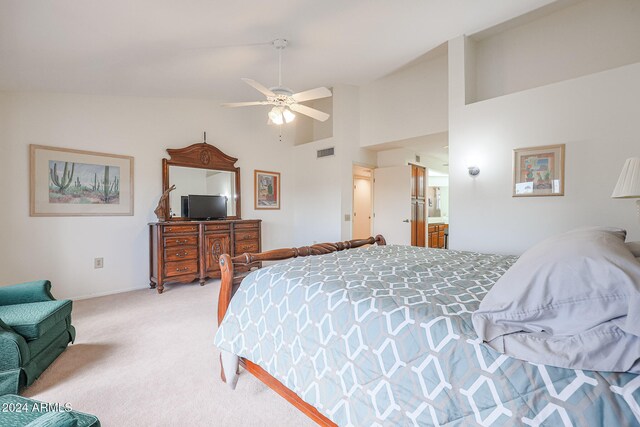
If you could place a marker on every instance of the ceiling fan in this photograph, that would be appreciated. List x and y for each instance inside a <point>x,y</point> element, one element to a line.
<point>283,99</point>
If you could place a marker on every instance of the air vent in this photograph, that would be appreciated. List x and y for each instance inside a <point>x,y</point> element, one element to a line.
<point>326,152</point>
<point>417,159</point>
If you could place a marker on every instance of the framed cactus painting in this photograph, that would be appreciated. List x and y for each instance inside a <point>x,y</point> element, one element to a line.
<point>66,182</point>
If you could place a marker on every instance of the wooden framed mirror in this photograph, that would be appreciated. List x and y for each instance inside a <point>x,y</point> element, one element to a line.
<point>200,169</point>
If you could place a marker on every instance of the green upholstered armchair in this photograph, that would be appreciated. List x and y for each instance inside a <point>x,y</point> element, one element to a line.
<point>35,328</point>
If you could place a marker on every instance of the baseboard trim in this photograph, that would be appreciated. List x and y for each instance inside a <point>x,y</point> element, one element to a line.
<point>111,292</point>
<point>121,291</point>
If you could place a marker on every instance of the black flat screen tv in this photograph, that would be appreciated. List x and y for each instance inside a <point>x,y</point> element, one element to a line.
<point>207,207</point>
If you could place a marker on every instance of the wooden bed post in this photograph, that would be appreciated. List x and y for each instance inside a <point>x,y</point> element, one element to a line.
<point>226,286</point>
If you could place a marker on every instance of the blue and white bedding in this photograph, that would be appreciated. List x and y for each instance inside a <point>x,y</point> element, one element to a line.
<point>383,336</point>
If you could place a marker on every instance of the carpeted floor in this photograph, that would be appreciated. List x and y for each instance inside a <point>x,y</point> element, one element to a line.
<point>143,359</point>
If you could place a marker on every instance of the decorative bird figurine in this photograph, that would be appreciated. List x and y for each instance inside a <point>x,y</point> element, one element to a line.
<point>161,209</point>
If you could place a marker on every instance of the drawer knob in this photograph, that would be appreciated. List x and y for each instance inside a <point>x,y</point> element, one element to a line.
<point>181,254</point>
<point>181,242</point>
<point>182,269</point>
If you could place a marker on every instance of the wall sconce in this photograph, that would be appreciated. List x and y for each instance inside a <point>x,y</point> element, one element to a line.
<point>474,171</point>
<point>628,185</point>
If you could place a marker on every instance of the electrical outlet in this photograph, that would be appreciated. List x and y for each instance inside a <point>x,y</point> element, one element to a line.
<point>98,262</point>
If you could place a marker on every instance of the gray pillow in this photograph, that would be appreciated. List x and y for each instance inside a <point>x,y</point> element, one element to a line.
<point>634,247</point>
<point>571,301</point>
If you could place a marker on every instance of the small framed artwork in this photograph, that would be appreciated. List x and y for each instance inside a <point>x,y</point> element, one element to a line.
<point>538,171</point>
<point>267,190</point>
<point>65,182</point>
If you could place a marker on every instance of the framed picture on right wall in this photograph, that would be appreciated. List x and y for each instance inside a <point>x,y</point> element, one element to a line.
<point>538,171</point>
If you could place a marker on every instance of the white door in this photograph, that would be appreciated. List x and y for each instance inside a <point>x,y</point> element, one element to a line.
<point>361,207</point>
<point>392,204</point>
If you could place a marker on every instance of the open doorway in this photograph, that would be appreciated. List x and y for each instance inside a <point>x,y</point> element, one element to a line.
<point>438,209</point>
<point>394,160</point>
<point>362,202</point>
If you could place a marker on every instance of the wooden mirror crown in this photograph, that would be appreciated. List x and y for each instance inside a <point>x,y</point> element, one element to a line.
<point>201,156</point>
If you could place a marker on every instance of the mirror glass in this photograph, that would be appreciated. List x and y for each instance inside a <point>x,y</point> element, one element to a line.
<point>201,182</point>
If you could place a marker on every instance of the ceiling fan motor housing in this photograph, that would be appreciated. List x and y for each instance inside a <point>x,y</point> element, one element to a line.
<point>283,96</point>
<point>280,43</point>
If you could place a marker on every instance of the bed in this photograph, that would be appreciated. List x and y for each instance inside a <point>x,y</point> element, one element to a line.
<point>382,335</point>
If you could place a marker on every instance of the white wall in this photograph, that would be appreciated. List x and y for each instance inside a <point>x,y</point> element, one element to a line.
<point>309,130</point>
<point>317,194</point>
<point>62,249</point>
<point>6,192</point>
<point>395,157</point>
<point>323,187</point>
<point>584,38</point>
<point>408,103</point>
<point>438,181</point>
<point>347,131</point>
<point>596,116</point>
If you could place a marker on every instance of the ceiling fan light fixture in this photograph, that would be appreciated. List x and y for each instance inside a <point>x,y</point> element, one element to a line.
<point>281,115</point>
<point>288,115</point>
<point>275,115</point>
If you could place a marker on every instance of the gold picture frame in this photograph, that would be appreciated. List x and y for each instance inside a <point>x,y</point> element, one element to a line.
<point>538,171</point>
<point>266,190</point>
<point>68,182</point>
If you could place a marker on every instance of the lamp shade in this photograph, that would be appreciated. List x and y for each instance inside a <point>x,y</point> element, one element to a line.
<point>629,182</point>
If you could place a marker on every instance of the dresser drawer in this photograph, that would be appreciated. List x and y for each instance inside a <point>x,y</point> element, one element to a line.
<point>179,253</point>
<point>216,227</point>
<point>244,225</point>
<point>246,235</point>
<point>246,246</point>
<point>180,241</point>
<point>177,268</point>
<point>171,229</point>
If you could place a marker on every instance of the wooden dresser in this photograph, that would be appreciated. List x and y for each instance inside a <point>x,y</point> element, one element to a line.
<point>183,251</point>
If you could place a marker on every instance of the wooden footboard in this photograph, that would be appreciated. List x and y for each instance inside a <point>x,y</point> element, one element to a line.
<point>230,282</point>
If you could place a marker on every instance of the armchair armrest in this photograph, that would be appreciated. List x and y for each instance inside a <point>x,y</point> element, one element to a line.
<point>37,291</point>
<point>13,348</point>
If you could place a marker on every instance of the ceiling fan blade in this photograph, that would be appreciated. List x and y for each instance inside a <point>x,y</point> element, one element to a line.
<point>244,104</point>
<point>311,112</point>
<point>308,95</point>
<point>259,87</point>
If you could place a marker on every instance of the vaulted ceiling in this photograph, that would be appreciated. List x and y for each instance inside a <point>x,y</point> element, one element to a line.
<point>201,48</point>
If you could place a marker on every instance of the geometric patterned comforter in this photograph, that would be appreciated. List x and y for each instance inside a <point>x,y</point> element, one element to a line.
<point>383,336</point>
